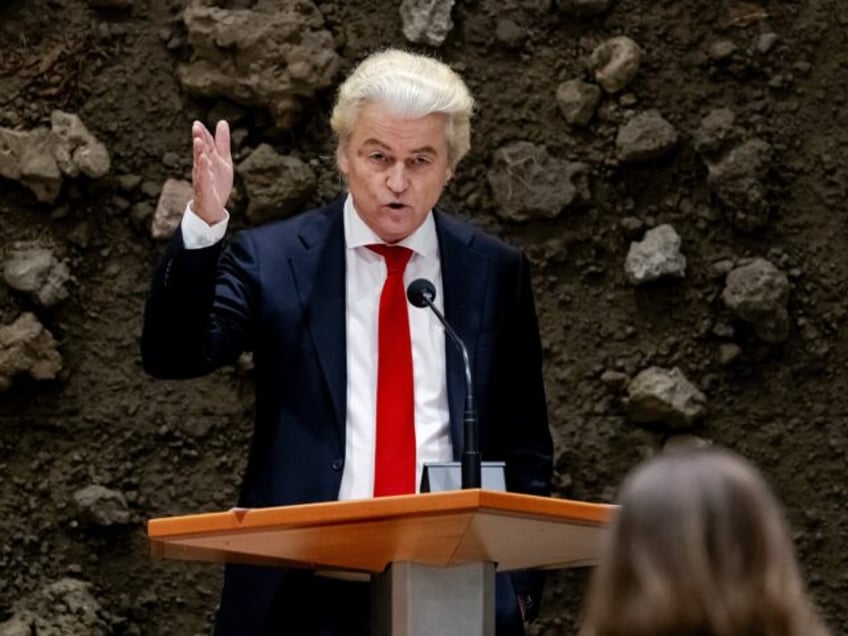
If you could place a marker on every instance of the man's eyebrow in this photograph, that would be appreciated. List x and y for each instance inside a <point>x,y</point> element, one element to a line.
<point>371,141</point>
<point>424,150</point>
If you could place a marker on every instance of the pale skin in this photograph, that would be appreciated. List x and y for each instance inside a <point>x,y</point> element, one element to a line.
<point>212,171</point>
<point>395,168</point>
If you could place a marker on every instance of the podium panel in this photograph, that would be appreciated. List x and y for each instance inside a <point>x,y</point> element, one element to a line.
<point>439,529</point>
<point>431,557</point>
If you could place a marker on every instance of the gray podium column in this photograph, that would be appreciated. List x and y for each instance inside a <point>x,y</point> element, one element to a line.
<point>410,599</point>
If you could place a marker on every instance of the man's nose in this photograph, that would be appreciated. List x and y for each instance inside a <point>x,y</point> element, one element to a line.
<point>396,179</point>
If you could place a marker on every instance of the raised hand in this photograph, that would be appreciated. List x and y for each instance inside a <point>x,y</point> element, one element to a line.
<point>212,171</point>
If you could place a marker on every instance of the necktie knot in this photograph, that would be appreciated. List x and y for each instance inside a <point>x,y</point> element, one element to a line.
<point>396,256</point>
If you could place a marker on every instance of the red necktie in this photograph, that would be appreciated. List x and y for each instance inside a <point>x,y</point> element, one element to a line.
<point>394,468</point>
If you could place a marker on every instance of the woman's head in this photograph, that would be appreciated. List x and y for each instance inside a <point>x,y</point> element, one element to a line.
<point>407,85</point>
<point>699,546</point>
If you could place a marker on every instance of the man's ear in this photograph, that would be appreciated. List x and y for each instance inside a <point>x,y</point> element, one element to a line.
<point>341,157</point>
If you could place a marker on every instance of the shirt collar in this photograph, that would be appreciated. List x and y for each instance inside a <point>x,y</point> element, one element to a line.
<point>422,241</point>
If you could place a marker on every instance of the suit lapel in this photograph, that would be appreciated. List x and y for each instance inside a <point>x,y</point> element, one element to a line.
<point>465,274</point>
<point>319,272</point>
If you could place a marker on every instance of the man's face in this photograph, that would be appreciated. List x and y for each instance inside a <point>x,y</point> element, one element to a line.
<point>395,169</point>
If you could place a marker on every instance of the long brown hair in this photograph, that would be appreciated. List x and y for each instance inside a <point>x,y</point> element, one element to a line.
<point>699,547</point>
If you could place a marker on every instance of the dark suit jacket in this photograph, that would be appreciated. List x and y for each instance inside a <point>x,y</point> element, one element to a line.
<point>279,291</point>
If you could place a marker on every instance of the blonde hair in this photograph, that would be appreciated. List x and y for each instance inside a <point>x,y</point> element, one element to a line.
<point>699,547</point>
<point>409,85</point>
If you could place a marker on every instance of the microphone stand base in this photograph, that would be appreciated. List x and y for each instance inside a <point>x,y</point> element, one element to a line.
<point>442,476</point>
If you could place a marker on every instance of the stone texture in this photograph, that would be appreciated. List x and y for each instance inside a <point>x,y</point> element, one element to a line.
<point>277,58</point>
<point>170,208</point>
<point>426,21</point>
<point>664,395</point>
<point>77,151</point>
<point>577,101</point>
<point>758,292</point>
<point>716,131</point>
<point>37,272</point>
<point>646,137</point>
<point>528,183</point>
<point>27,347</point>
<point>738,179</point>
<point>63,608</point>
<point>615,63</point>
<point>657,255</point>
<point>101,506</point>
<point>276,184</point>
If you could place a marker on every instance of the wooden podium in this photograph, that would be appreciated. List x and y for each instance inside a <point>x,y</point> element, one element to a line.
<point>431,557</point>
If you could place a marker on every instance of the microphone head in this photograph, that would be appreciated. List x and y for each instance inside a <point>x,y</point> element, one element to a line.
<point>421,292</point>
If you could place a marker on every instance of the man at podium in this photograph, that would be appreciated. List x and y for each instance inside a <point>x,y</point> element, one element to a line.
<point>355,389</point>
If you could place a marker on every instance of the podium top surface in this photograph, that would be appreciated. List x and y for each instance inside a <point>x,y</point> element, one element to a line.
<point>444,529</point>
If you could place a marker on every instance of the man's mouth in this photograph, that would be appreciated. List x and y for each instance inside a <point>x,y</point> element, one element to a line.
<point>396,206</point>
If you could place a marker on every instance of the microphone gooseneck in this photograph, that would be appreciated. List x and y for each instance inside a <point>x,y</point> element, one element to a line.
<point>421,293</point>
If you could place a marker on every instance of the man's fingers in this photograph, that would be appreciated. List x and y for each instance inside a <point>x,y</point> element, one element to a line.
<point>197,148</point>
<point>222,139</point>
<point>208,152</point>
<point>199,131</point>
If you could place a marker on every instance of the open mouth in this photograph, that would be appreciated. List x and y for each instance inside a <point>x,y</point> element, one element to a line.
<point>396,206</point>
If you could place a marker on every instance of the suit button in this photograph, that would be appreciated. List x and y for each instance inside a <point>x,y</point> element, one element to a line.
<point>337,464</point>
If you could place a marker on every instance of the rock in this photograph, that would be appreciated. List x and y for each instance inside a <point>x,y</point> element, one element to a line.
<point>721,50</point>
<point>738,179</point>
<point>646,137</point>
<point>102,506</point>
<point>528,183</point>
<point>27,347</point>
<point>728,352</point>
<point>426,21</point>
<point>27,157</point>
<point>577,101</point>
<point>656,256</point>
<point>278,58</point>
<point>614,379</point>
<point>758,292</point>
<point>37,158</point>
<point>76,150</point>
<point>129,182</point>
<point>276,184</point>
<point>765,42</point>
<point>716,132</point>
<point>61,608</point>
<point>170,208</point>
<point>664,395</point>
<point>615,63</point>
<point>510,34</point>
<point>37,272</point>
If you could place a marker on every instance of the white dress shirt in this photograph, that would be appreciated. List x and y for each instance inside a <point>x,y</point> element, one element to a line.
<point>366,273</point>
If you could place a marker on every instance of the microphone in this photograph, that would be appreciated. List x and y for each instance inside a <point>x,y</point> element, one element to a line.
<point>421,293</point>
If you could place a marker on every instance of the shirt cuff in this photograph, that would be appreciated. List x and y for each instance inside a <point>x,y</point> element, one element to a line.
<point>198,234</point>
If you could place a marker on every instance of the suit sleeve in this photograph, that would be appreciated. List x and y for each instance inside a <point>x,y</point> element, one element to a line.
<point>200,307</point>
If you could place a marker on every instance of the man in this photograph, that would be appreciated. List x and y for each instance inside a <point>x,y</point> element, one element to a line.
<point>306,295</point>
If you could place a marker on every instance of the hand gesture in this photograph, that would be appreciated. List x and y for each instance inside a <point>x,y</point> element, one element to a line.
<point>212,171</point>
